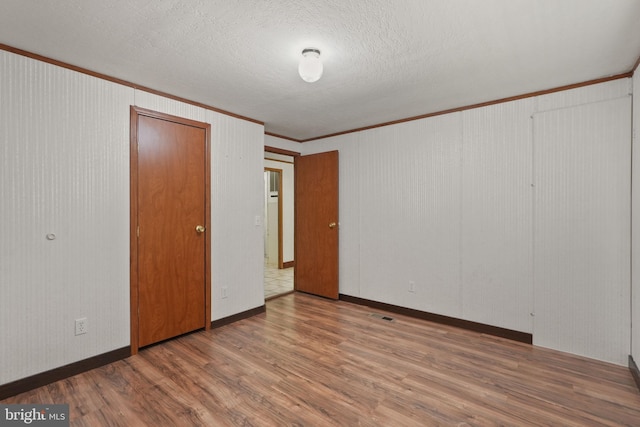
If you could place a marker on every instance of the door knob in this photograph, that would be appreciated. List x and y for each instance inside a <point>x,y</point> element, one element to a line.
<point>332,225</point>
<point>200,228</point>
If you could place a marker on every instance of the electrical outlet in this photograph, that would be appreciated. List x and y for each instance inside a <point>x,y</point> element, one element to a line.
<point>412,286</point>
<point>224,292</point>
<point>81,326</point>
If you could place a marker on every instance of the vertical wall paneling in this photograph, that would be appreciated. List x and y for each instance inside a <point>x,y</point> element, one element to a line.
<point>285,144</point>
<point>64,174</point>
<point>237,187</point>
<point>497,215</point>
<point>350,214</point>
<point>158,103</point>
<point>584,95</point>
<point>582,229</point>
<point>410,214</point>
<point>635,225</point>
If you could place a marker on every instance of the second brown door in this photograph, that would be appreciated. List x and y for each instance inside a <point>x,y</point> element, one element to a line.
<point>316,224</point>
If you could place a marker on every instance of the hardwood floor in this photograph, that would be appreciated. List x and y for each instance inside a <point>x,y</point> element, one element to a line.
<point>314,362</point>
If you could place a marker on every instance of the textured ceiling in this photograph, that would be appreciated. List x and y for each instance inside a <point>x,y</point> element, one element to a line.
<point>384,60</point>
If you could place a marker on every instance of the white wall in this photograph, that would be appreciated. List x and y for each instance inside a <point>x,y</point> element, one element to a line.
<point>65,165</point>
<point>64,144</point>
<point>284,144</point>
<point>635,226</point>
<point>496,215</point>
<point>237,187</point>
<point>582,229</point>
<point>447,202</point>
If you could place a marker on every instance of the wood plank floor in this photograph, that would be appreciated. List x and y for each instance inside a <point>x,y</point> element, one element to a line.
<point>313,362</point>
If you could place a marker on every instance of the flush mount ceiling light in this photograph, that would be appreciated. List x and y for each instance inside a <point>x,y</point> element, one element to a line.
<point>310,67</point>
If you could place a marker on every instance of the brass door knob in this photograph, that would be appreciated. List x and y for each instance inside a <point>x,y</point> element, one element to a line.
<point>200,229</point>
<point>332,225</point>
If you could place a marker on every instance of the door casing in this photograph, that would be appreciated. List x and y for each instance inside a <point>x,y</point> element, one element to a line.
<point>135,112</point>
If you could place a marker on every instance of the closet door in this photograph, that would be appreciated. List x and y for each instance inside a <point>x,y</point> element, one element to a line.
<point>171,178</point>
<point>582,188</point>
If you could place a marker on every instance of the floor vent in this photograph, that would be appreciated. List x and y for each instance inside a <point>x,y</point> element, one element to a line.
<point>380,316</point>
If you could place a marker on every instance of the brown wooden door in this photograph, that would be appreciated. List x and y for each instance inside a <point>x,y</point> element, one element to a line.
<point>172,171</point>
<point>316,224</point>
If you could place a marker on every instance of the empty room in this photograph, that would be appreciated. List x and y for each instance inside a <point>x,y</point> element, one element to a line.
<point>378,213</point>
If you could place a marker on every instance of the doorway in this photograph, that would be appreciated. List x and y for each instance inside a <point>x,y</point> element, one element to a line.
<point>278,225</point>
<point>170,211</point>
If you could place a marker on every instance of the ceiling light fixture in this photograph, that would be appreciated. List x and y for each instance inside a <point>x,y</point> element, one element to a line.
<point>310,67</point>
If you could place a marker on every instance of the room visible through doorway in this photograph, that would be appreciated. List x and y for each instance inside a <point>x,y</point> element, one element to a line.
<point>278,225</point>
